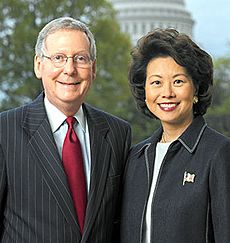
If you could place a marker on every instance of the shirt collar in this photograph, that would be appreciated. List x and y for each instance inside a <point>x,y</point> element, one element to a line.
<point>57,118</point>
<point>189,139</point>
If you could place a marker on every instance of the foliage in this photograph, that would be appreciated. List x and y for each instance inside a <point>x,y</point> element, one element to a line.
<point>110,90</point>
<point>218,115</point>
<point>20,22</point>
<point>221,82</point>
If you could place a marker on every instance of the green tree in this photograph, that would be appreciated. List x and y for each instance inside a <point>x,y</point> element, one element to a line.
<point>110,90</point>
<point>20,22</point>
<point>221,90</point>
<point>218,116</point>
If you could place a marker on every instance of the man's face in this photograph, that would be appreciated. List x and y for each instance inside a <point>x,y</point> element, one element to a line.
<point>66,86</point>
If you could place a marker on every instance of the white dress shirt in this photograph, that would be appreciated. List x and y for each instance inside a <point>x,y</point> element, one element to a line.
<point>59,128</point>
<point>161,150</point>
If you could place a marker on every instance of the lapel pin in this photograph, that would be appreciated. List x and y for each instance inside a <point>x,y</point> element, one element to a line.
<point>188,177</point>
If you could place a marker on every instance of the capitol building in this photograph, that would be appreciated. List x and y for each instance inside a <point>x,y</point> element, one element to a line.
<point>137,17</point>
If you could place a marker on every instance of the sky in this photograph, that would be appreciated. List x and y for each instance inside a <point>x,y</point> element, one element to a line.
<point>212,25</point>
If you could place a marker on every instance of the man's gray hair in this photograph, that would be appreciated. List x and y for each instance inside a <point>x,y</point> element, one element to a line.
<point>64,23</point>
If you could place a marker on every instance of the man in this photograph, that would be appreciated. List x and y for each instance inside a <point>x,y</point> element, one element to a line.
<point>37,200</point>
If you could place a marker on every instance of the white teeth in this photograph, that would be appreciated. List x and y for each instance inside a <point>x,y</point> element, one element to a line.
<point>167,105</point>
<point>69,83</point>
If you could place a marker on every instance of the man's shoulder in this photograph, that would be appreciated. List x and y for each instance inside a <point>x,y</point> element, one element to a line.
<point>96,113</point>
<point>20,111</point>
<point>13,112</point>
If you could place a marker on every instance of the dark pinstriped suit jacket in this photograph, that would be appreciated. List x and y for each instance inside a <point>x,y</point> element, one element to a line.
<point>35,202</point>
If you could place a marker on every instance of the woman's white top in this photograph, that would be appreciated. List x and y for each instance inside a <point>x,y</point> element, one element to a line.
<point>161,150</point>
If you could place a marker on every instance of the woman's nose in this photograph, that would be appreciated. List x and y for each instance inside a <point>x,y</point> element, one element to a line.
<point>167,91</point>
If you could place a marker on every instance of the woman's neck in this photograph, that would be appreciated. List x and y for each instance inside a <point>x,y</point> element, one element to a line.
<point>172,133</point>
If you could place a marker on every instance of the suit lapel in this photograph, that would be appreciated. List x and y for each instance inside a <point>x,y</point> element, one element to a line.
<point>100,162</point>
<point>45,154</point>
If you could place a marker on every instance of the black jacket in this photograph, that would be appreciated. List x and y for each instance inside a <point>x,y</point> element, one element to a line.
<point>185,209</point>
<point>35,201</point>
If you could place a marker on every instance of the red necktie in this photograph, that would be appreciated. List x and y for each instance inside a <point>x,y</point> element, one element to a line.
<point>73,166</point>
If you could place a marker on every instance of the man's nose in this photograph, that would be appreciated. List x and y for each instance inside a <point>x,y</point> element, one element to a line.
<point>70,66</point>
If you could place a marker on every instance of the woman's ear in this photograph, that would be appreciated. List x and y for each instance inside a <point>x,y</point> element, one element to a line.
<point>195,99</point>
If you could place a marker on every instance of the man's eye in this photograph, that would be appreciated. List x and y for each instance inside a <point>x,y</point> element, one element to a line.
<point>58,58</point>
<point>81,59</point>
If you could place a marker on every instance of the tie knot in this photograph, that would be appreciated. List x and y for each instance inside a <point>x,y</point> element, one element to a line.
<point>70,121</point>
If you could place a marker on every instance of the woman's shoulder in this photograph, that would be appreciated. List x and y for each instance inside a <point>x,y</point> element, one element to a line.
<point>214,140</point>
<point>213,134</point>
<point>140,147</point>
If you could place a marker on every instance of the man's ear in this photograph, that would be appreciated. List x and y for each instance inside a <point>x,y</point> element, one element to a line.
<point>94,69</point>
<point>37,66</point>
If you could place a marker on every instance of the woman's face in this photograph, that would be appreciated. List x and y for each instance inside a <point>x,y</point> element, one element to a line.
<point>169,92</point>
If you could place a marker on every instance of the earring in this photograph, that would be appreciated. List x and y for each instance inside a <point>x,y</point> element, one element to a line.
<point>195,99</point>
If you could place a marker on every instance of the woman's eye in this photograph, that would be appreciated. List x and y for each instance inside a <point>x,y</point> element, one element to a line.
<point>178,81</point>
<point>155,82</point>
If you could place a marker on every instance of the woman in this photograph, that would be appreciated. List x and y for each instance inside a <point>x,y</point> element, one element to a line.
<point>177,182</point>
